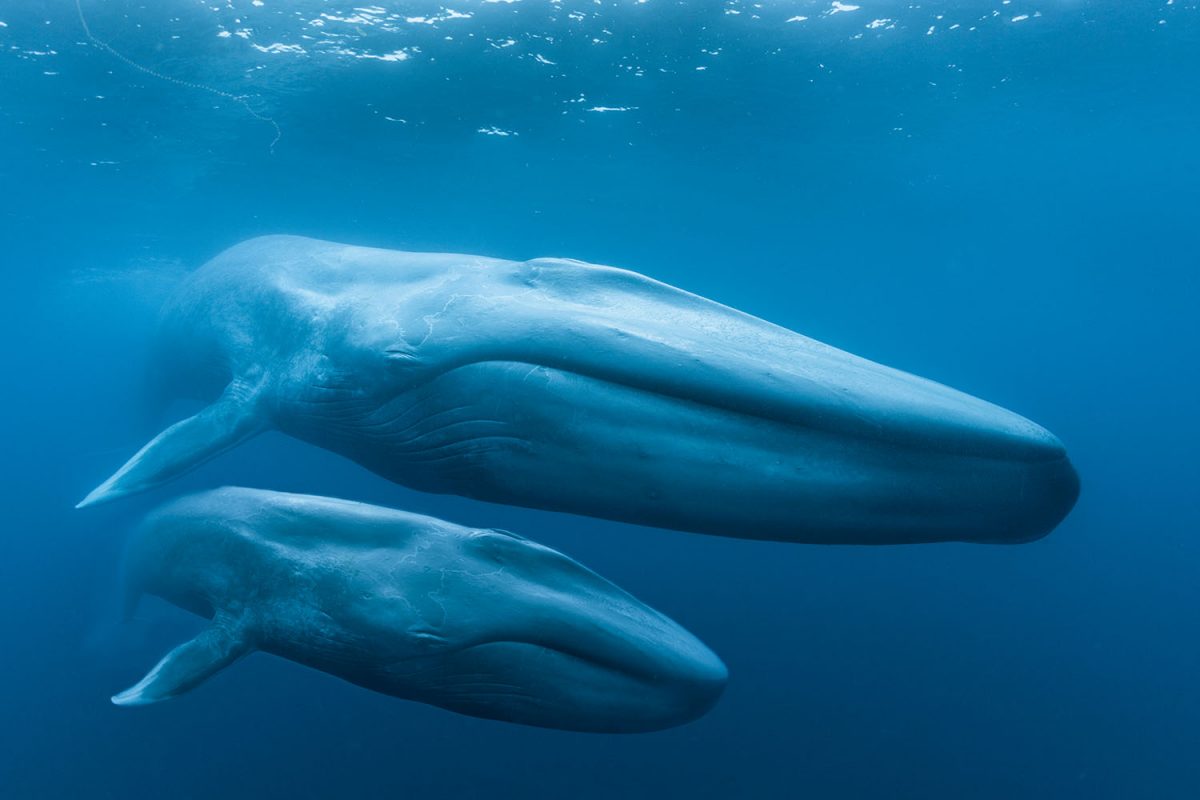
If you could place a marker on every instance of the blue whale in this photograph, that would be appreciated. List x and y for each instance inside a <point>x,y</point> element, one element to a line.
<point>568,386</point>
<point>481,622</point>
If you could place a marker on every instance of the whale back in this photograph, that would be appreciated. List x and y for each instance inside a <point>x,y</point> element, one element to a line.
<point>233,529</point>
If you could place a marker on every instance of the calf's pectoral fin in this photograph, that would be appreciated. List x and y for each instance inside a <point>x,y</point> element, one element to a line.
<point>188,665</point>
<point>186,445</point>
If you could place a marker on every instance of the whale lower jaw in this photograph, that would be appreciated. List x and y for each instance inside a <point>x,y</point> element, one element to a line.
<point>557,440</point>
<point>533,684</point>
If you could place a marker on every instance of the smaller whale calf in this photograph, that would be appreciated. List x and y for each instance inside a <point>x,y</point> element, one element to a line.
<point>481,622</point>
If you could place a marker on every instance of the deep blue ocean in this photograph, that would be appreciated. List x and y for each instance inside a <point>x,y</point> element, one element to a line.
<point>1001,196</point>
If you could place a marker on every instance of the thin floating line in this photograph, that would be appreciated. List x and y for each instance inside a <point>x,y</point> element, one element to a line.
<point>240,99</point>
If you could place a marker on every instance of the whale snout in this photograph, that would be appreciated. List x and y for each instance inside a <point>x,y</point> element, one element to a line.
<point>646,674</point>
<point>1035,487</point>
<point>669,676</point>
<point>691,686</point>
<point>913,460</point>
<point>1052,487</point>
<point>1013,478</point>
<point>577,652</point>
<point>980,473</point>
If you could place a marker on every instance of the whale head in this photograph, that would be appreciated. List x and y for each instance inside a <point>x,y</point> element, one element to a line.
<point>569,650</point>
<point>903,458</point>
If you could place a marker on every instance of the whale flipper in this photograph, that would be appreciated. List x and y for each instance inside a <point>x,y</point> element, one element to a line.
<point>186,445</point>
<point>188,665</point>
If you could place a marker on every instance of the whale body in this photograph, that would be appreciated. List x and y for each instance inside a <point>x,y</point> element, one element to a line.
<point>482,622</point>
<point>568,386</point>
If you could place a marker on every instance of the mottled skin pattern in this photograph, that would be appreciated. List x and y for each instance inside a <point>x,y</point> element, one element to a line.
<point>573,387</point>
<point>482,622</point>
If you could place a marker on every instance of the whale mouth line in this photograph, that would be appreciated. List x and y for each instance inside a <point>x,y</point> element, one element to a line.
<point>552,678</point>
<point>643,673</point>
<point>591,659</point>
<point>829,416</point>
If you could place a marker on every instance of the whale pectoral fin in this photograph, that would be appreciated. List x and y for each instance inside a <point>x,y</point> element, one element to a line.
<point>185,445</point>
<point>188,665</point>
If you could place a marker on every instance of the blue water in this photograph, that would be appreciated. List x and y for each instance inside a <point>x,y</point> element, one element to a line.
<point>1010,206</point>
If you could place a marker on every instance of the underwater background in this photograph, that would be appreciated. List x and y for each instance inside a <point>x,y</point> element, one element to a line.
<point>1001,196</point>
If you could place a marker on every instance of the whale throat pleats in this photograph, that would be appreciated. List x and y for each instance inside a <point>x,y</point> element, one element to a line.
<point>189,664</point>
<point>232,419</point>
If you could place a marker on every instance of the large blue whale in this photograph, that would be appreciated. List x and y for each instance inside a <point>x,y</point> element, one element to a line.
<point>482,622</point>
<point>568,386</point>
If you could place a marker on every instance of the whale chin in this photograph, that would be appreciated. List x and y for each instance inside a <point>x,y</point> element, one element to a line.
<point>533,684</point>
<point>1044,494</point>
<point>957,470</point>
